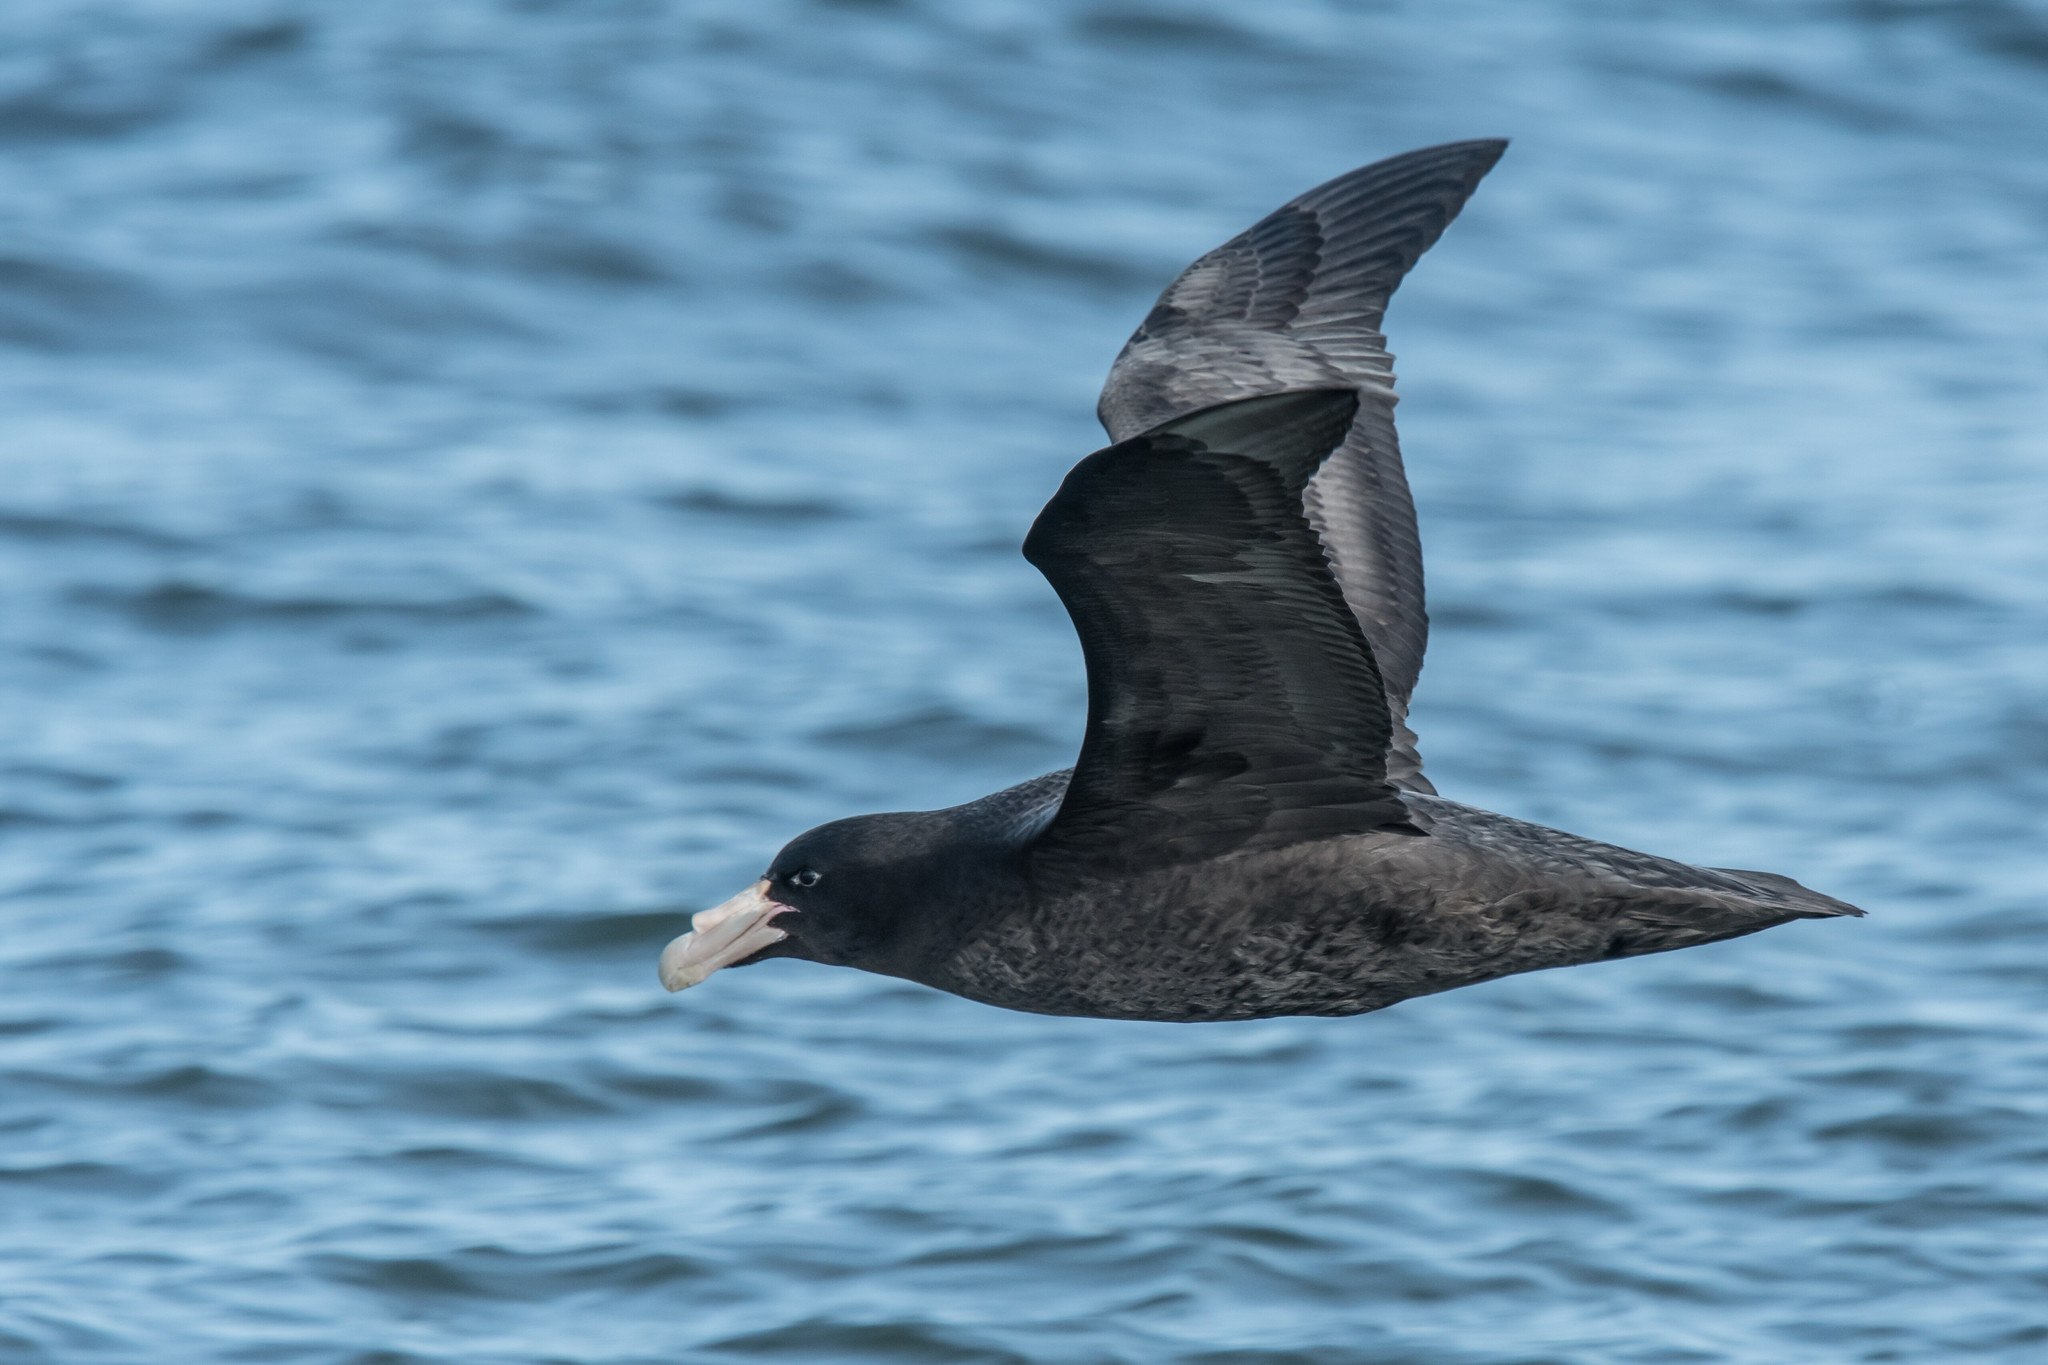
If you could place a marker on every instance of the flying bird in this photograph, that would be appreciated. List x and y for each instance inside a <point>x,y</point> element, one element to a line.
<point>1247,831</point>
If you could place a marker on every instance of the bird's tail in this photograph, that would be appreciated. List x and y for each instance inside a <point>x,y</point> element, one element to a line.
<point>1796,899</point>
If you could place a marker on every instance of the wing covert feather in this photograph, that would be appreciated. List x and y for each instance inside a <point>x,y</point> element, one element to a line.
<point>1233,701</point>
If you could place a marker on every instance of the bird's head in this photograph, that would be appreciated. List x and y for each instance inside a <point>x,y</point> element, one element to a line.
<point>844,893</point>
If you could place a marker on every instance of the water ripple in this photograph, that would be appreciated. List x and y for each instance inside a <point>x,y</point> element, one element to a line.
<point>480,477</point>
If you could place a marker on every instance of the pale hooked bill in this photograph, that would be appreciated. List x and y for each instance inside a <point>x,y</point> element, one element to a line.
<point>721,936</point>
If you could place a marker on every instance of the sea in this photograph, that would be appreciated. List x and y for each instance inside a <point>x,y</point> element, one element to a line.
<point>476,477</point>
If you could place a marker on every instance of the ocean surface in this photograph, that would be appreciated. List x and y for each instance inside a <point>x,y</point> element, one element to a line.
<point>475,478</point>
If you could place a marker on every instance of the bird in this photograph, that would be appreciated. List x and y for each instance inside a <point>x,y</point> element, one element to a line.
<point>1247,831</point>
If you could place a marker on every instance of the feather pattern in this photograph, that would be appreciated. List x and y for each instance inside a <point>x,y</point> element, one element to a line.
<point>1295,302</point>
<point>1233,702</point>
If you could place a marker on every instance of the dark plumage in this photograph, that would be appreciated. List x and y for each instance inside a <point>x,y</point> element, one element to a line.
<point>1247,831</point>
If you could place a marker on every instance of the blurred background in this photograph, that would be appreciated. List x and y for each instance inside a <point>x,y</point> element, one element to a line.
<point>476,477</point>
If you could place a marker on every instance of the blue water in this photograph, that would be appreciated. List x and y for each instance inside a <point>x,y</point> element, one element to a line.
<point>475,478</point>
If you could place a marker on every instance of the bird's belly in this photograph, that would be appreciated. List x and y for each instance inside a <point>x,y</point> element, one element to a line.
<point>1178,954</point>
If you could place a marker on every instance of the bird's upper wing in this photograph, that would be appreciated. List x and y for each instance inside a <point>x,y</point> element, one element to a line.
<point>1233,702</point>
<point>1295,302</point>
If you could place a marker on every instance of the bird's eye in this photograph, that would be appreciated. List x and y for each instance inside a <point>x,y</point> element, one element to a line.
<point>804,877</point>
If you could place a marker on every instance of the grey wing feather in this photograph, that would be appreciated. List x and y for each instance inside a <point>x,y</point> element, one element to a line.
<point>1233,702</point>
<point>1295,302</point>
